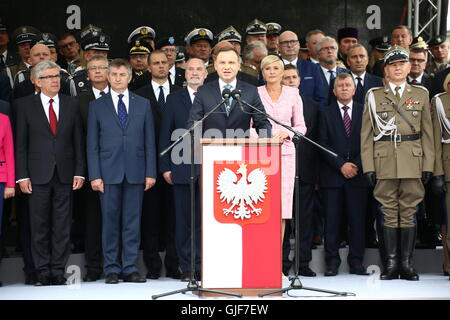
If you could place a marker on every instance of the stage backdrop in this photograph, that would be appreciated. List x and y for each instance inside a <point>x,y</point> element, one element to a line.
<point>174,17</point>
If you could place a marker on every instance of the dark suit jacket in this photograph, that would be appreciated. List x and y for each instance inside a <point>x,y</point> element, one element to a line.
<point>426,82</point>
<point>438,82</point>
<point>84,98</point>
<point>331,98</point>
<point>5,109</point>
<point>333,137</point>
<point>178,106</point>
<point>240,76</point>
<point>38,151</point>
<point>370,81</point>
<point>115,154</point>
<point>312,84</point>
<point>307,152</point>
<point>5,88</point>
<point>209,95</point>
<point>148,93</point>
<point>179,77</point>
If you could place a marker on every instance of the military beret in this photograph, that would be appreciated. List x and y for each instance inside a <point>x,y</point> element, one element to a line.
<point>25,34</point>
<point>418,43</point>
<point>256,27</point>
<point>141,32</point>
<point>96,40</point>
<point>273,28</point>
<point>167,41</point>
<point>140,47</point>
<point>396,54</point>
<point>181,54</point>
<point>437,40</point>
<point>49,39</point>
<point>303,46</point>
<point>348,32</point>
<point>230,34</point>
<point>199,34</point>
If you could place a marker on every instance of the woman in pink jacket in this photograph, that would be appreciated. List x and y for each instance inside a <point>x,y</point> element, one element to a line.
<point>284,104</point>
<point>7,178</point>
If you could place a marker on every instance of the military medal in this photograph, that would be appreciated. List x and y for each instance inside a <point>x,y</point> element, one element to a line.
<point>384,115</point>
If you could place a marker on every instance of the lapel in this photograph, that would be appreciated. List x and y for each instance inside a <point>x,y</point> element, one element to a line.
<point>186,99</point>
<point>107,99</point>
<point>234,102</point>
<point>62,113</point>
<point>40,114</point>
<point>356,116</point>
<point>389,94</point>
<point>131,108</point>
<point>217,95</point>
<point>406,95</point>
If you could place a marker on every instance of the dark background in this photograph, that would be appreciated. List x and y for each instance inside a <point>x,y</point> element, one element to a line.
<point>177,18</point>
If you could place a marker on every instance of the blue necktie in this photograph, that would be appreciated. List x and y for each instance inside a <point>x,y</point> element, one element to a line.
<point>161,100</point>
<point>331,76</point>
<point>359,91</point>
<point>122,112</point>
<point>228,105</point>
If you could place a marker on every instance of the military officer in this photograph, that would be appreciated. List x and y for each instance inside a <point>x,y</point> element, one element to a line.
<point>439,46</point>
<point>144,33</point>
<point>441,179</point>
<point>231,35</point>
<point>139,53</point>
<point>256,30</point>
<point>180,60</point>
<point>8,59</point>
<point>198,44</point>
<point>273,36</point>
<point>93,41</point>
<point>397,154</point>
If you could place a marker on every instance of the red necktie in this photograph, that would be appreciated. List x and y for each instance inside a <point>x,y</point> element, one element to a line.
<point>414,81</point>
<point>52,117</point>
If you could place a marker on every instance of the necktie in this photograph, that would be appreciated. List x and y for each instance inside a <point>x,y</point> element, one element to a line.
<point>347,120</point>
<point>2,61</point>
<point>122,112</point>
<point>161,99</point>
<point>331,76</point>
<point>52,117</point>
<point>397,93</point>
<point>228,103</point>
<point>359,91</point>
<point>414,81</point>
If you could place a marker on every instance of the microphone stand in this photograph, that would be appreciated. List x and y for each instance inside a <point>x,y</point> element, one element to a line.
<point>193,283</point>
<point>295,284</point>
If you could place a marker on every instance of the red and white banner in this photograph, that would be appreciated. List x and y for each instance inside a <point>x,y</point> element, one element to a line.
<point>241,216</point>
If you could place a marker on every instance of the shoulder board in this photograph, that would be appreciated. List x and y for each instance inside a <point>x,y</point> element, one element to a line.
<point>441,94</point>
<point>20,76</point>
<point>375,89</point>
<point>420,87</point>
<point>64,71</point>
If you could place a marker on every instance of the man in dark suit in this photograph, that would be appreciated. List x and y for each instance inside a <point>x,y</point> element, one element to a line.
<point>178,106</point>
<point>312,84</point>
<point>168,45</point>
<point>417,75</point>
<point>50,163</point>
<point>307,157</point>
<point>357,61</point>
<point>327,53</point>
<point>121,155</point>
<point>158,216</point>
<point>229,119</point>
<point>343,185</point>
<point>87,200</point>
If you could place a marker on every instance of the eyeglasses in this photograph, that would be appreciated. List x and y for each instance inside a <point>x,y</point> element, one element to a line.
<point>289,42</point>
<point>97,68</point>
<point>56,76</point>
<point>328,49</point>
<point>70,44</point>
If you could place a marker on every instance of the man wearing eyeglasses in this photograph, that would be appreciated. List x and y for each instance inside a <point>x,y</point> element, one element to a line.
<point>417,75</point>
<point>50,164</point>
<point>168,45</point>
<point>312,85</point>
<point>69,48</point>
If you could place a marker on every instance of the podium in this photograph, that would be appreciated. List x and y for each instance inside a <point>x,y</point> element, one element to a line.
<point>241,215</point>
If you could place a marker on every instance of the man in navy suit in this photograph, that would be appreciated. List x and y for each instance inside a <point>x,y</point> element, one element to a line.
<point>357,61</point>
<point>312,85</point>
<point>417,76</point>
<point>121,155</point>
<point>327,49</point>
<point>229,120</point>
<point>178,106</point>
<point>341,179</point>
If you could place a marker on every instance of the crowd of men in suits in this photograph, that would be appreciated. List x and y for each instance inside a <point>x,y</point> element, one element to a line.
<point>103,144</point>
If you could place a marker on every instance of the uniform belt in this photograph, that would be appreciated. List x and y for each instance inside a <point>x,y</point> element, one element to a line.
<point>401,137</point>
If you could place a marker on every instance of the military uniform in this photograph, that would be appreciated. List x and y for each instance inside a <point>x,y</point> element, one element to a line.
<point>441,122</point>
<point>273,30</point>
<point>140,78</point>
<point>433,67</point>
<point>397,146</point>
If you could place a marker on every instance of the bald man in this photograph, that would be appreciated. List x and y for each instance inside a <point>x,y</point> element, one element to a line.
<point>24,84</point>
<point>312,84</point>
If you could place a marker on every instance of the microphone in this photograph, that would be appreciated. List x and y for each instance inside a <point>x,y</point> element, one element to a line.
<point>226,94</point>
<point>236,94</point>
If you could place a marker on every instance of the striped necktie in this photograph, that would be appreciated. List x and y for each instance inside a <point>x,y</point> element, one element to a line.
<point>347,120</point>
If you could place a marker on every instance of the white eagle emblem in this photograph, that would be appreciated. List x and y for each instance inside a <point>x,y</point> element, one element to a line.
<point>240,193</point>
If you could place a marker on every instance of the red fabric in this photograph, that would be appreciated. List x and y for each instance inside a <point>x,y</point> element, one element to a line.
<point>52,117</point>
<point>7,173</point>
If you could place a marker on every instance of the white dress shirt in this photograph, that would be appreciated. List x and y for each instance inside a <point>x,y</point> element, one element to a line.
<point>356,80</point>
<point>97,92</point>
<point>349,110</point>
<point>46,104</point>
<point>166,89</point>
<point>402,88</point>
<point>418,79</point>
<point>172,73</point>
<point>293,62</point>
<point>191,93</point>
<point>125,99</point>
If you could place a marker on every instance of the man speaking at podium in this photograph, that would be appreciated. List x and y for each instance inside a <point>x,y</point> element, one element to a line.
<point>229,119</point>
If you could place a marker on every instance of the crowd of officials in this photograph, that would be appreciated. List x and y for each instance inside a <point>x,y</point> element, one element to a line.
<point>80,136</point>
